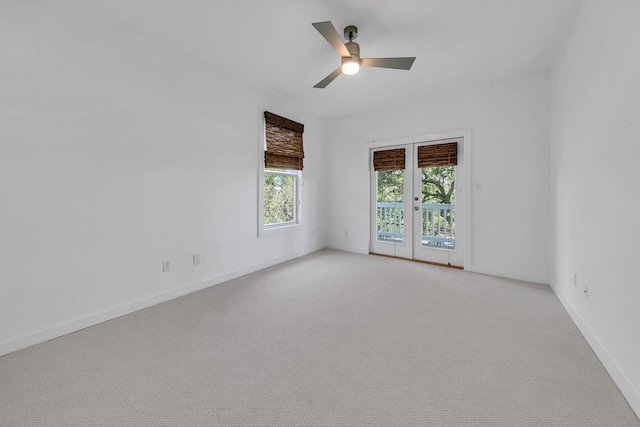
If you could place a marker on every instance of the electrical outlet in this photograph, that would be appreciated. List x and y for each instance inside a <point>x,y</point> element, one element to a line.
<point>196,259</point>
<point>586,292</point>
<point>166,266</point>
<point>575,283</point>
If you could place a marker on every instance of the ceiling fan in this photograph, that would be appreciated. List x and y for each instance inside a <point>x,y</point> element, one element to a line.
<point>350,53</point>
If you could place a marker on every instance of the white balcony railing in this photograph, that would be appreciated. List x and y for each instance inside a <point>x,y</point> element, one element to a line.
<point>438,224</point>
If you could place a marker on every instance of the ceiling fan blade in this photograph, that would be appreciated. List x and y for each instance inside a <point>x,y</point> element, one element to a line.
<point>331,77</point>
<point>329,32</point>
<point>397,63</point>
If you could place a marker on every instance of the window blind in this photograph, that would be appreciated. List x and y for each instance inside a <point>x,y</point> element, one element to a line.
<point>284,143</point>
<point>438,155</point>
<point>388,159</point>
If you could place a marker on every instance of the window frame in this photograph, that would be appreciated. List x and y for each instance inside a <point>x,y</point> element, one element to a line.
<point>282,227</point>
<point>296,197</point>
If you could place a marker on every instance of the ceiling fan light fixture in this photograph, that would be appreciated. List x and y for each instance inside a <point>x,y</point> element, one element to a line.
<point>350,66</point>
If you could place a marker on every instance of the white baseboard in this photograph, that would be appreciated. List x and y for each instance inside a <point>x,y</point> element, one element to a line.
<point>510,275</point>
<point>348,249</point>
<point>74,325</point>
<point>628,390</point>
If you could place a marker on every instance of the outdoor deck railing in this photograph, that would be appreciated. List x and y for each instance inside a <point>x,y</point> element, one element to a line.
<point>438,224</point>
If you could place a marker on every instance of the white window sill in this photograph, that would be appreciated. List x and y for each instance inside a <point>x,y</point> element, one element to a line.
<point>278,229</point>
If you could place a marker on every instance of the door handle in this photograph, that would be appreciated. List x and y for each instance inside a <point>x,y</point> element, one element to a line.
<point>416,208</point>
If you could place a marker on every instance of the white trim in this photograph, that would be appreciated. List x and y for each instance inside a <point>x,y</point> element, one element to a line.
<point>349,249</point>
<point>510,275</point>
<point>61,329</point>
<point>279,229</point>
<point>626,387</point>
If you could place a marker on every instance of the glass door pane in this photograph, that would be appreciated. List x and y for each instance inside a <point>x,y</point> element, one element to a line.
<point>390,206</point>
<point>438,207</point>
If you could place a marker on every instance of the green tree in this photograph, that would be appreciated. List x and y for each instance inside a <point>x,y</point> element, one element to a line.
<point>438,185</point>
<point>391,186</point>
<point>279,197</point>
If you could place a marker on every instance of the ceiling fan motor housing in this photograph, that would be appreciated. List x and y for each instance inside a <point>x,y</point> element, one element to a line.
<point>354,50</point>
<point>350,32</point>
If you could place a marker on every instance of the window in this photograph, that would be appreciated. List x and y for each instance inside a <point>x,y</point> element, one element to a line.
<point>281,179</point>
<point>280,197</point>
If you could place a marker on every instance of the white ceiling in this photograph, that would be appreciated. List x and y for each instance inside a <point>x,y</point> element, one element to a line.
<point>271,43</point>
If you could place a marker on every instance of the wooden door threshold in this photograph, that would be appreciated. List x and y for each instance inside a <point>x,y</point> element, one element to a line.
<point>457,267</point>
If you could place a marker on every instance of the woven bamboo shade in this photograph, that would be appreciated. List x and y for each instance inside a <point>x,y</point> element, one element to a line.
<point>284,143</point>
<point>388,160</point>
<point>438,155</point>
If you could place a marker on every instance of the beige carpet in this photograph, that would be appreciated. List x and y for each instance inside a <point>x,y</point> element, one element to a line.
<point>332,338</point>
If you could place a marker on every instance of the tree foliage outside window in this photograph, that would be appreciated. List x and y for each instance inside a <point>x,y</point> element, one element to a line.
<point>438,185</point>
<point>279,196</point>
<point>391,186</point>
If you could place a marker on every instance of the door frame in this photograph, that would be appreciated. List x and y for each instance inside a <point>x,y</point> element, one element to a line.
<point>394,249</point>
<point>464,191</point>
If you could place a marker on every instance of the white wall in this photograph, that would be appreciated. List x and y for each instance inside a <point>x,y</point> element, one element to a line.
<point>595,152</point>
<point>118,154</point>
<point>509,122</point>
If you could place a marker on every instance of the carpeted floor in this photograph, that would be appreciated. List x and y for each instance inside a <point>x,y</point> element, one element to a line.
<point>333,338</point>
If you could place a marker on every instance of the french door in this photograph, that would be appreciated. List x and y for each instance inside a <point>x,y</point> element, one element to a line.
<point>416,210</point>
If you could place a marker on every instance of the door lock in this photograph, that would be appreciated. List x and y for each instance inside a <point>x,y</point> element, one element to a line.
<point>416,198</point>
<point>416,208</point>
